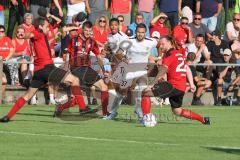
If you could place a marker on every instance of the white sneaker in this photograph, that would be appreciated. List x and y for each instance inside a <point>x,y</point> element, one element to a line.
<point>111,116</point>
<point>34,100</point>
<point>52,102</point>
<point>166,101</point>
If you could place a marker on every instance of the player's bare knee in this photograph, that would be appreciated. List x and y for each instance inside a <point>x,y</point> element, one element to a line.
<point>104,87</point>
<point>208,83</point>
<point>177,111</point>
<point>75,81</point>
<point>220,81</point>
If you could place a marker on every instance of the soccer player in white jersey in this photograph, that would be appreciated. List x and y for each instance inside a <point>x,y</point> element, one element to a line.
<point>115,37</point>
<point>132,72</point>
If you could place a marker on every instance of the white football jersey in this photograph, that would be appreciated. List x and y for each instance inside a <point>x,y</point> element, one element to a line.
<point>140,51</point>
<point>114,40</point>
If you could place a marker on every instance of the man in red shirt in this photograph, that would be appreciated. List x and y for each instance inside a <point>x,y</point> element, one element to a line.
<point>158,24</point>
<point>6,52</point>
<point>182,33</point>
<point>43,68</point>
<point>174,65</point>
<point>79,49</point>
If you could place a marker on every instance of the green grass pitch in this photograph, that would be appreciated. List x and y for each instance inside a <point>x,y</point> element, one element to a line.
<point>34,134</point>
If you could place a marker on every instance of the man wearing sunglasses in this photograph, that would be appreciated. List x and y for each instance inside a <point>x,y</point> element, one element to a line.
<point>198,27</point>
<point>182,33</point>
<point>232,29</point>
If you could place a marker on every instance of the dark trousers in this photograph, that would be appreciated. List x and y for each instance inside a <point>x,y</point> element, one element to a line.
<point>173,18</point>
<point>15,16</point>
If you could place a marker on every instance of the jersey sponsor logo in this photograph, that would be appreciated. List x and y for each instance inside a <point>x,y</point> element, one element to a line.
<point>78,44</point>
<point>4,48</point>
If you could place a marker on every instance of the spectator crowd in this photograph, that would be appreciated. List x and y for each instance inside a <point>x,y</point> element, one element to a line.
<point>193,24</point>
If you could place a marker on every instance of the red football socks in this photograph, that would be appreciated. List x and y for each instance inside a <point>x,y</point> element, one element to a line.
<point>76,91</point>
<point>146,105</point>
<point>68,104</point>
<point>104,100</point>
<point>17,106</point>
<point>191,115</point>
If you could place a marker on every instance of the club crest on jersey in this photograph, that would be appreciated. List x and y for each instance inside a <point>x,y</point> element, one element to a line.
<point>78,44</point>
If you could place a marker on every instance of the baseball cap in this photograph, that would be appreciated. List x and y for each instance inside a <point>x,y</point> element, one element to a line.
<point>227,52</point>
<point>156,34</point>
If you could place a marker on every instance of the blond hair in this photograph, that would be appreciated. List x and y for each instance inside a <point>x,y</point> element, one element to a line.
<point>107,22</point>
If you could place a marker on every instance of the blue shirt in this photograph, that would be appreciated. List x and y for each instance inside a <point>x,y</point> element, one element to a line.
<point>168,5</point>
<point>154,52</point>
<point>96,67</point>
<point>133,27</point>
<point>209,7</point>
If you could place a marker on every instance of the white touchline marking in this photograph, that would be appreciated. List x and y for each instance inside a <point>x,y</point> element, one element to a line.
<point>87,138</point>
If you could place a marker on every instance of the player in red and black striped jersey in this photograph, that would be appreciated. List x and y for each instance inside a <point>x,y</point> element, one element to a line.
<point>174,65</point>
<point>80,48</point>
<point>43,68</point>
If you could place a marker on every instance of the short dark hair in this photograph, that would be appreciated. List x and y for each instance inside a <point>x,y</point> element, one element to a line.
<point>80,17</point>
<point>2,27</point>
<point>120,16</point>
<point>216,33</point>
<point>39,22</point>
<point>129,32</point>
<point>113,20</point>
<point>87,24</point>
<point>139,14</point>
<point>191,56</point>
<point>200,35</point>
<point>168,38</point>
<point>197,13</point>
<point>184,18</point>
<point>141,25</point>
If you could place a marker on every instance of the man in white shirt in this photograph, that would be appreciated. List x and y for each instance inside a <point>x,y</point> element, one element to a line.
<point>132,71</point>
<point>115,37</point>
<point>202,55</point>
<point>232,29</point>
<point>200,49</point>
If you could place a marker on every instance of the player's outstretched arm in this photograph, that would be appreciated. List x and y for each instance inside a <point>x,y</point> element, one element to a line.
<point>162,70</point>
<point>190,79</point>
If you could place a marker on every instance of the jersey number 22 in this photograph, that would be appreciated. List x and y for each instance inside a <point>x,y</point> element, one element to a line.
<point>182,66</point>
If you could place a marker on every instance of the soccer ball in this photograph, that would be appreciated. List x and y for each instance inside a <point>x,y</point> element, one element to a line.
<point>149,120</point>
